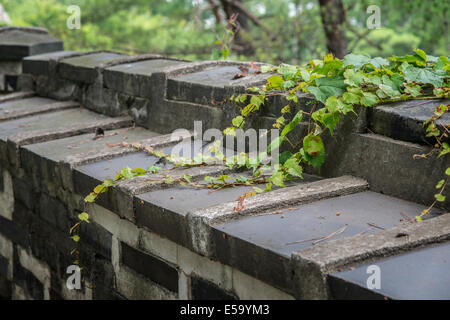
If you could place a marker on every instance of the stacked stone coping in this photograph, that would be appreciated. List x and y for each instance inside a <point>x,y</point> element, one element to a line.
<point>17,43</point>
<point>202,227</point>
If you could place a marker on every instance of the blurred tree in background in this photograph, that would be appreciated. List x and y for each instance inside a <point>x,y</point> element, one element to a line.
<point>290,31</point>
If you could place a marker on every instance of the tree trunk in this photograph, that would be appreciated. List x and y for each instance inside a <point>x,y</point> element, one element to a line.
<point>333,19</point>
<point>242,46</point>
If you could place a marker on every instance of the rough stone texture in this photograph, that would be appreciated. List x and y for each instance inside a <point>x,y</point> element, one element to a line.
<point>83,68</point>
<point>303,193</point>
<point>428,267</point>
<point>135,78</point>
<point>15,96</point>
<point>389,167</point>
<point>149,239</point>
<point>22,109</point>
<point>313,263</point>
<point>151,267</point>
<point>205,290</point>
<point>43,64</point>
<point>404,121</point>
<point>364,212</point>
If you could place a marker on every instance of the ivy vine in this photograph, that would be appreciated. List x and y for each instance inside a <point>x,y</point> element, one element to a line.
<point>338,86</point>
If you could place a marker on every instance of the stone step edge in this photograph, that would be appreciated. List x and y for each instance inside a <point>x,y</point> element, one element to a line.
<point>319,261</point>
<point>55,106</point>
<point>16,96</point>
<point>120,198</point>
<point>201,221</point>
<point>143,184</point>
<point>284,197</point>
<point>37,136</point>
<point>161,141</point>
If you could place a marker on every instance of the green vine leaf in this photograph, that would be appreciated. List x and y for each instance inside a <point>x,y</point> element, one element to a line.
<point>84,216</point>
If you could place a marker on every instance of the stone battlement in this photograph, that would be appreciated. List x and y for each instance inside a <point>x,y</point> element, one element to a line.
<point>151,240</point>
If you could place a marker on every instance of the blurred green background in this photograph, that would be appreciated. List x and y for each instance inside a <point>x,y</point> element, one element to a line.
<point>289,31</point>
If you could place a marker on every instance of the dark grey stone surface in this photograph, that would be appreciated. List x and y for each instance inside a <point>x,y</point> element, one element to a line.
<point>40,64</point>
<point>149,266</point>
<point>207,84</point>
<point>4,263</point>
<point>202,289</point>
<point>82,68</point>
<point>134,78</point>
<point>16,44</point>
<point>319,219</point>
<point>389,167</point>
<point>48,122</point>
<point>14,232</point>
<point>163,211</point>
<point>420,274</point>
<point>31,106</point>
<point>26,279</point>
<point>97,237</point>
<point>404,121</point>
<point>5,288</point>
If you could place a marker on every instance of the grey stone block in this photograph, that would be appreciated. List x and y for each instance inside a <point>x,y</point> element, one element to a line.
<point>152,268</point>
<point>25,279</point>
<point>54,212</point>
<point>416,275</point>
<point>206,82</point>
<point>97,237</point>
<point>15,96</point>
<point>135,78</point>
<point>389,167</point>
<point>84,68</point>
<point>14,232</point>
<point>16,43</point>
<point>205,290</point>
<point>41,64</point>
<point>404,121</point>
<point>5,288</point>
<point>4,265</point>
<point>312,264</point>
<point>32,106</point>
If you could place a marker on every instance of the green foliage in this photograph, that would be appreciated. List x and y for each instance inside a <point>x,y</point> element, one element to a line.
<point>341,86</point>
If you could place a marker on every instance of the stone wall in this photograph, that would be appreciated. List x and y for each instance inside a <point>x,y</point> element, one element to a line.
<point>150,240</point>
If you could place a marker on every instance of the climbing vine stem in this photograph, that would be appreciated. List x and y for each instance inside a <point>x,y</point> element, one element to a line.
<point>338,87</point>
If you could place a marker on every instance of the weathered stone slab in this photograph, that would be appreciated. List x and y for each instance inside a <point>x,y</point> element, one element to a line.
<point>83,68</point>
<point>32,106</point>
<point>90,125</point>
<point>134,78</point>
<point>312,264</point>
<point>52,161</point>
<point>390,167</point>
<point>149,266</point>
<point>119,199</point>
<point>404,121</point>
<point>417,275</point>
<point>40,64</point>
<point>157,141</point>
<point>47,123</point>
<point>15,96</point>
<point>212,82</point>
<point>163,211</point>
<point>282,198</point>
<point>16,43</point>
<point>290,230</point>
